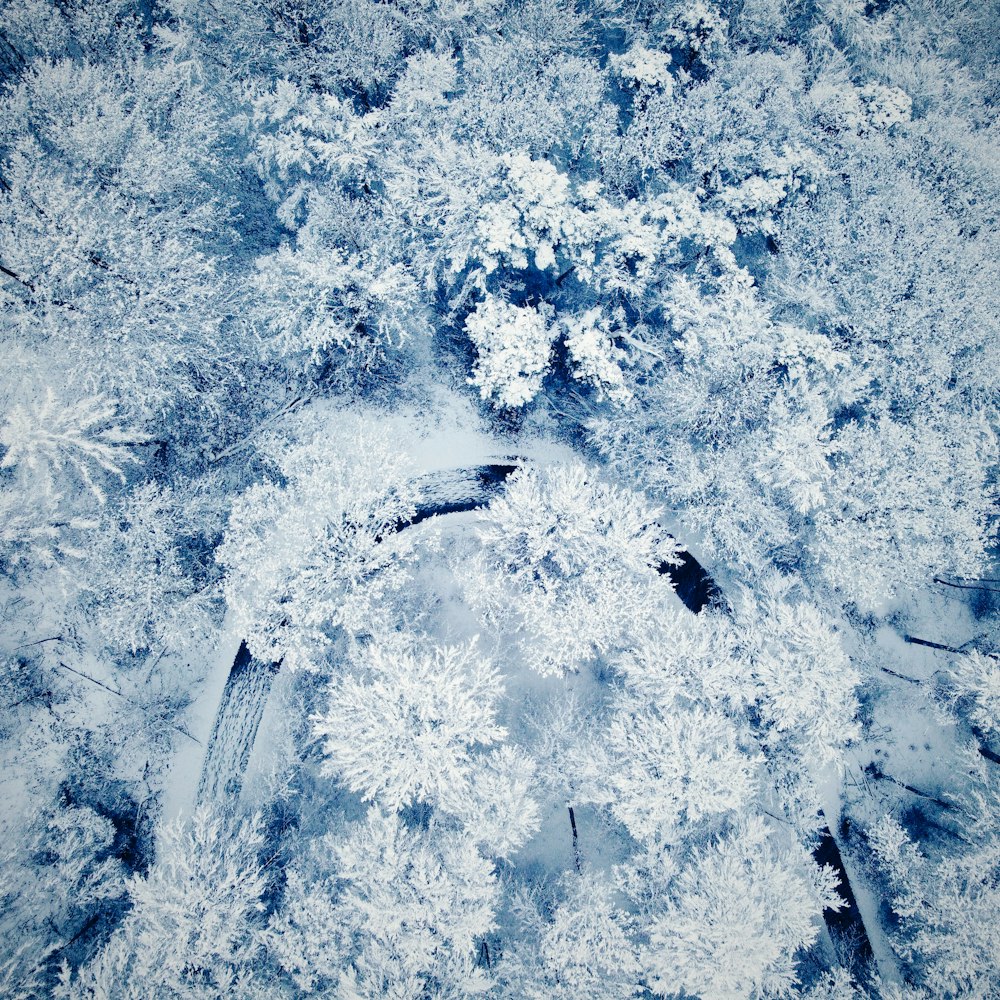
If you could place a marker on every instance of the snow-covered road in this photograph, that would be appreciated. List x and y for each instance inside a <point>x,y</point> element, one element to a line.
<point>444,492</point>
<point>244,697</point>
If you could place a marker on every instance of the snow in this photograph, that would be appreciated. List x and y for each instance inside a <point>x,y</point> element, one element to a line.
<point>227,732</point>
<point>180,789</point>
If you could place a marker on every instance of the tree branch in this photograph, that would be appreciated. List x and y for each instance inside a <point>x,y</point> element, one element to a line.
<point>966,586</point>
<point>243,442</point>
<point>125,697</point>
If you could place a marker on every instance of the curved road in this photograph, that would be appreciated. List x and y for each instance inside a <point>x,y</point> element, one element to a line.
<point>249,682</point>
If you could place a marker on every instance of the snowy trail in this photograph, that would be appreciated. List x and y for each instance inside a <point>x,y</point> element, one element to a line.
<point>248,685</point>
<point>450,491</point>
<point>236,724</point>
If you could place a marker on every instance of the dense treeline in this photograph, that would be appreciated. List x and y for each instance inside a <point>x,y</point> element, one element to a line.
<point>728,268</point>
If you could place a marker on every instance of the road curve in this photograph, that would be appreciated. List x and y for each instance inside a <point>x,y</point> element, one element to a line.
<point>249,682</point>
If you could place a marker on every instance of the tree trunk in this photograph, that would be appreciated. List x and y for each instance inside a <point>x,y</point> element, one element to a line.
<point>576,840</point>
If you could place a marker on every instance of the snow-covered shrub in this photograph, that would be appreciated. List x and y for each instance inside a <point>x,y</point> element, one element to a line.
<point>641,66</point>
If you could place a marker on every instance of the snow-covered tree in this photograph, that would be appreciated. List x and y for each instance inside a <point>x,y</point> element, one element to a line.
<point>306,936</point>
<point>46,435</point>
<point>944,907</point>
<point>586,949</point>
<point>643,67</point>
<point>190,931</point>
<point>735,916</point>
<point>60,872</point>
<point>574,560</point>
<point>675,768</point>
<point>594,356</point>
<point>513,345</point>
<point>682,659</point>
<point>808,685</point>
<point>316,299</point>
<point>699,31</point>
<point>323,550</point>
<point>497,806</point>
<point>406,726</point>
<point>145,586</point>
<point>573,763</point>
<point>906,501</point>
<point>976,686</point>
<point>416,902</point>
<point>108,226</point>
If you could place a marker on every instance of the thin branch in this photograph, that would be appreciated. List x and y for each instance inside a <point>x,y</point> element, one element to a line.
<point>125,697</point>
<point>576,841</point>
<point>243,442</point>
<point>38,642</point>
<point>640,346</point>
<point>966,586</point>
<point>902,677</point>
<point>27,698</point>
<point>562,277</point>
<point>93,680</point>
<point>24,283</point>
<point>914,641</point>
<point>878,774</point>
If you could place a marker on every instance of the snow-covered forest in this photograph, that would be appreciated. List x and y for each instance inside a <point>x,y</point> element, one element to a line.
<point>498,499</point>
